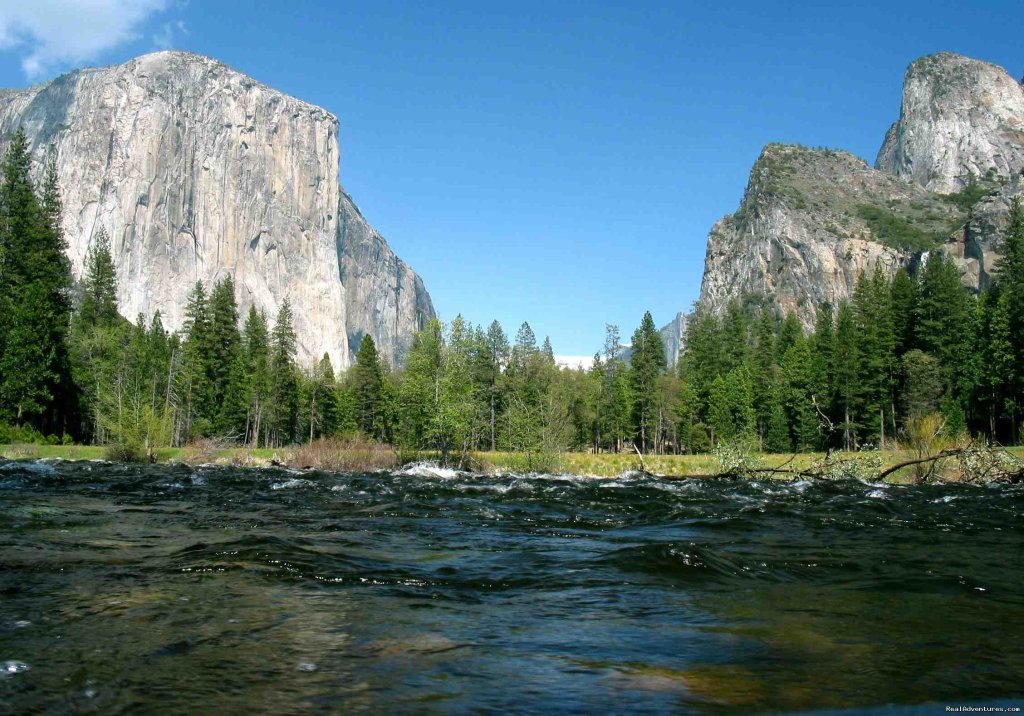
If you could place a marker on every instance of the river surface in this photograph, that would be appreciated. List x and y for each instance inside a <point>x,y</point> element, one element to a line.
<point>176,589</point>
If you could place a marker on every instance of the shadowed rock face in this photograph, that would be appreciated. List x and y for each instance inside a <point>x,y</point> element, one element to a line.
<point>811,221</point>
<point>198,172</point>
<point>960,119</point>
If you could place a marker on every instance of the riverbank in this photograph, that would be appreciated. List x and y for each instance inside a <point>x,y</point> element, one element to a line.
<point>589,464</point>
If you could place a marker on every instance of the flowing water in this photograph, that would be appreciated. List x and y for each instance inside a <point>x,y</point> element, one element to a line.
<point>175,589</point>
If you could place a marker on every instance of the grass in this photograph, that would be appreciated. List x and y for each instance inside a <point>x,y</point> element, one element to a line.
<point>336,457</point>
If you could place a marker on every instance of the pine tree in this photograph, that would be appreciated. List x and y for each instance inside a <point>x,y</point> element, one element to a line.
<point>789,333</point>
<point>27,390</point>
<point>702,361</point>
<point>823,350</point>
<point>846,374</point>
<point>98,297</point>
<point>777,438</point>
<point>720,416</point>
<point>735,340</point>
<point>873,313</point>
<point>764,371</point>
<point>1010,274</point>
<point>328,400</point>
<point>284,395</point>
<point>368,388</point>
<point>615,401</point>
<point>196,388</point>
<point>33,268</point>
<point>740,397</point>
<point>225,367</point>
<point>497,358</point>
<point>904,297</point>
<point>798,374</point>
<point>943,321</point>
<point>256,349</point>
<point>647,362</point>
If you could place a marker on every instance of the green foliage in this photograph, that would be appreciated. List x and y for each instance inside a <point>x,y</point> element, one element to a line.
<point>647,362</point>
<point>124,452</point>
<point>893,230</point>
<point>737,458</point>
<point>97,304</point>
<point>283,412</point>
<point>36,384</point>
<point>970,195</point>
<point>898,350</point>
<point>367,381</point>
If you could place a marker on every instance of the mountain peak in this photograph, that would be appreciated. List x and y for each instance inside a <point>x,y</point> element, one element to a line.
<point>961,119</point>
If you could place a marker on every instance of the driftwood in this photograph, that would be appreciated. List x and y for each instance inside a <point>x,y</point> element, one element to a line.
<point>643,465</point>
<point>933,459</point>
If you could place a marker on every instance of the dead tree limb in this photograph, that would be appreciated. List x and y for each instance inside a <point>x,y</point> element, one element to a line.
<point>643,465</point>
<point>918,461</point>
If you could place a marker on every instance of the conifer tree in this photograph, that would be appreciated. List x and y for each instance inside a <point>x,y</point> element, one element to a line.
<point>904,297</point>
<point>720,416</point>
<point>368,388</point>
<point>284,407</point>
<point>225,366</point>
<point>645,366</point>
<point>33,268</point>
<point>798,373</point>
<point>196,388</point>
<point>703,359</point>
<point>325,380</point>
<point>873,313</point>
<point>943,321</point>
<point>846,376</point>
<point>764,371</point>
<point>497,352</point>
<point>256,342</point>
<point>98,292</point>
<point>615,401</point>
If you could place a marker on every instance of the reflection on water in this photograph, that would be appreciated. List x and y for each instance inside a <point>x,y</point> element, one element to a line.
<point>176,589</point>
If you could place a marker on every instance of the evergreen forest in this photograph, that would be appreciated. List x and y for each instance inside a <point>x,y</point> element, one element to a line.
<point>72,369</point>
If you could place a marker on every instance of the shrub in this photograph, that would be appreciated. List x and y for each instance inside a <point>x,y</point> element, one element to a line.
<point>124,452</point>
<point>895,231</point>
<point>26,434</point>
<point>204,450</point>
<point>356,454</point>
<point>738,457</point>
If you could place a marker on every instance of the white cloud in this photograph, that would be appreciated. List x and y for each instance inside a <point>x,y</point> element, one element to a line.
<point>52,34</point>
<point>167,35</point>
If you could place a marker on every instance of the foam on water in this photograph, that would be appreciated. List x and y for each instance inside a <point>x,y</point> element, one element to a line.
<point>437,591</point>
<point>430,469</point>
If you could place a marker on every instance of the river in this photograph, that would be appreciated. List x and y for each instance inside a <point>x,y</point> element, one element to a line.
<point>179,590</point>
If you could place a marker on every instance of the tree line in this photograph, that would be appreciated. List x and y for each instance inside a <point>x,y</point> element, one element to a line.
<point>72,368</point>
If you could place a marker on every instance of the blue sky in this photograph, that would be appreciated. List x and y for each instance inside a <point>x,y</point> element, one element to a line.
<point>556,162</point>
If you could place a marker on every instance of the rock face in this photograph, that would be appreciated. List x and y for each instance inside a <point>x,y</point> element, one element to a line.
<point>383,296</point>
<point>961,119</point>
<point>673,336</point>
<point>811,221</point>
<point>198,172</point>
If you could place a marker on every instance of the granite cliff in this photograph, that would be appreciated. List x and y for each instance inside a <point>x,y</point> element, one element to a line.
<point>196,172</point>
<point>961,119</point>
<point>811,220</point>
